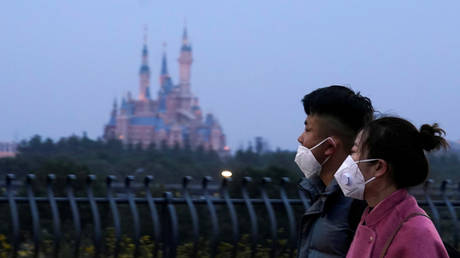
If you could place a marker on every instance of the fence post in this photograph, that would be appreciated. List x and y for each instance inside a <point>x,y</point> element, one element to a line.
<point>13,212</point>
<point>434,210</point>
<point>233,218</point>
<point>191,207</point>
<point>212,213</point>
<point>115,214</point>
<point>95,212</point>
<point>271,215</point>
<point>172,240</point>
<point>290,215</point>
<point>134,213</point>
<point>75,214</point>
<point>154,215</point>
<point>450,208</point>
<point>252,214</point>
<point>55,213</point>
<point>34,213</point>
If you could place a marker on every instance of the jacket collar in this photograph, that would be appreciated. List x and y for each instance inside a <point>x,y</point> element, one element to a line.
<point>384,207</point>
<point>312,186</point>
<point>318,193</point>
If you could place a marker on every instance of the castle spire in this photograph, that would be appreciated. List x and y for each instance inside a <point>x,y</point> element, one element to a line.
<point>145,33</point>
<point>114,109</point>
<point>144,50</point>
<point>165,79</point>
<point>164,63</point>
<point>185,36</point>
<point>144,71</point>
<point>185,63</point>
<point>113,115</point>
<point>185,43</point>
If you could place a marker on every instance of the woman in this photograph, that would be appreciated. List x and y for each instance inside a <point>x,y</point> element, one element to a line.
<point>387,158</point>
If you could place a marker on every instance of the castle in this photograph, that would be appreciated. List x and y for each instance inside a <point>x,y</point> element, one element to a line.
<point>174,119</point>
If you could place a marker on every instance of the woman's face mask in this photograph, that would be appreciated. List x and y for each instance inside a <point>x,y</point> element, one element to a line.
<point>351,179</point>
<point>307,161</point>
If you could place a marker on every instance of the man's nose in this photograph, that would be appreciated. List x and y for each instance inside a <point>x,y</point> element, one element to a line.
<point>300,139</point>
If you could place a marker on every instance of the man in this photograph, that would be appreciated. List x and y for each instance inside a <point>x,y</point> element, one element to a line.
<point>335,115</point>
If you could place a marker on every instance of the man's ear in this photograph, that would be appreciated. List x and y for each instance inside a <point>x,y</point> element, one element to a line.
<point>331,146</point>
<point>381,167</point>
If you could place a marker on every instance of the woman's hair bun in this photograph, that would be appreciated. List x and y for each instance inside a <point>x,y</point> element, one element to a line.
<point>431,137</point>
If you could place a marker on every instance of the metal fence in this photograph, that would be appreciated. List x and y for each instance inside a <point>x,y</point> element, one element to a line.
<point>440,202</point>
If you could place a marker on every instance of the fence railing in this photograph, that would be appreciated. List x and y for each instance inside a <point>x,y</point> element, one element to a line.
<point>161,214</point>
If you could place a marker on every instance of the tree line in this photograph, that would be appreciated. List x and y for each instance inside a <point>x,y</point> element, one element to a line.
<point>83,156</point>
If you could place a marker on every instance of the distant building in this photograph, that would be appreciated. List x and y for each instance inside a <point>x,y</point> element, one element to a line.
<point>8,149</point>
<point>174,118</point>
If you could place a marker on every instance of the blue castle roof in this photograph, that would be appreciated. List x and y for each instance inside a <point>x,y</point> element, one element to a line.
<point>168,85</point>
<point>150,121</point>
<point>185,44</point>
<point>186,48</point>
<point>205,132</point>
<point>128,106</point>
<point>209,120</point>
<point>112,122</point>
<point>162,100</point>
<point>144,69</point>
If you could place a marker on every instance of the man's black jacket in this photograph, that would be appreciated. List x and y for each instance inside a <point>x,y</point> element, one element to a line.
<point>328,225</point>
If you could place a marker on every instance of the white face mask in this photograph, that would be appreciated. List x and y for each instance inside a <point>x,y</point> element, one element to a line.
<point>351,179</point>
<point>307,161</point>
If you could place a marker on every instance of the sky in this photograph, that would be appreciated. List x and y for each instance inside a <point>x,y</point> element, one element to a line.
<point>62,63</point>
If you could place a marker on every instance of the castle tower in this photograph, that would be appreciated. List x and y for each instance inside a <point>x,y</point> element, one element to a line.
<point>109,129</point>
<point>121,130</point>
<point>166,85</point>
<point>164,75</point>
<point>113,115</point>
<point>185,63</point>
<point>144,72</point>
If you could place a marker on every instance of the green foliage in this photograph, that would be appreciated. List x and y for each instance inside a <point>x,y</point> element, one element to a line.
<point>444,165</point>
<point>83,156</point>
<point>146,248</point>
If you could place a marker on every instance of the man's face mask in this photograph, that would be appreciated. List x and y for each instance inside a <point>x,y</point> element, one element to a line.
<point>307,161</point>
<point>351,179</point>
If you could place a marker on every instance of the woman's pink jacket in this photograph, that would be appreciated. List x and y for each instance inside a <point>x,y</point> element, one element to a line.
<point>417,237</point>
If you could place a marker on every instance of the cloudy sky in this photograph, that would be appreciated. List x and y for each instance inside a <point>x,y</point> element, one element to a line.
<point>63,63</point>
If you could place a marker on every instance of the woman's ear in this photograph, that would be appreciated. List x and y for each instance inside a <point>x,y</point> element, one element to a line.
<point>381,167</point>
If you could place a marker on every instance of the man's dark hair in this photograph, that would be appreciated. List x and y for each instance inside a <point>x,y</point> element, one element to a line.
<point>349,111</point>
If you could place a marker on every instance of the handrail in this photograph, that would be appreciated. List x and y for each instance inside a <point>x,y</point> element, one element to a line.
<point>166,234</point>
